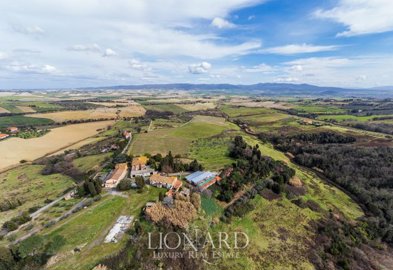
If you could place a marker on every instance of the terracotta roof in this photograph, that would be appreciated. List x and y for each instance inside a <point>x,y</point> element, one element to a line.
<point>119,170</point>
<point>169,180</point>
<point>3,136</point>
<point>139,161</point>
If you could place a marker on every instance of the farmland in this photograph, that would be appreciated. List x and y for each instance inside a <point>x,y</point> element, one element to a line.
<point>94,223</point>
<point>55,140</point>
<point>212,152</point>
<point>179,139</point>
<point>30,187</point>
<point>22,121</point>
<point>98,113</point>
<point>87,163</point>
<point>166,108</point>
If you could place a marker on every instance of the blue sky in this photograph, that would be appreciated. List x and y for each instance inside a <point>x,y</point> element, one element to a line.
<point>72,43</point>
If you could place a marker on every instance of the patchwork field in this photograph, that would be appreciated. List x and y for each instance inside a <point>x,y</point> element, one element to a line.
<point>236,111</point>
<point>99,113</point>
<point>197,106</point>
<point>175,108</point>
<point>264,104</point>
<point>319,109</point>
<point>30,187</point>
<point>26,109</point>
<point>178,140</point>
<point>2,110</point>
<point>21,120</point>
<point>55,140</point>
<point>345,117</point>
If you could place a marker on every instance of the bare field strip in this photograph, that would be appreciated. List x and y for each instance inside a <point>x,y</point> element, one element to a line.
<point>79,144</point>
<point>263,104</point>
<point>99,113</point>
<point>2,110</point>
<point>15,149</point>
<point>197,106</point>
<point>26,109</point>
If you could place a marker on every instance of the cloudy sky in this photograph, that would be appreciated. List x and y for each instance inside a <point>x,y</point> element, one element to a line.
<point>74,43</point>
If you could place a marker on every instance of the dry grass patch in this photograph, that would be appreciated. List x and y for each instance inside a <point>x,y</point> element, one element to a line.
<point>15,149</point>
<point>26,109</point>
<point>2,110</point>
<point>261,104</point>
<point>99,113</point>
<point>197,106</point>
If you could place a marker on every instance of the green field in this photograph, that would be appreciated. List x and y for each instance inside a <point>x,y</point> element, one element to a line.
<point>345,117</point>
<point>28,185</point>
<point>88,228</point>
<point>278,233</point>
<point>85,164</point>
<point>11,105</point>
<point>211,207</point>
<point>319,109</point>
<point>235,111</point>
<point>212,153</point>
<point>264,118</point>
<point>179,140</point>
<point>165,108</point>
<point>20,120</point>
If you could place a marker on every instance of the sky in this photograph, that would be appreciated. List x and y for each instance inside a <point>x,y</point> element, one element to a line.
<point>74,43</point>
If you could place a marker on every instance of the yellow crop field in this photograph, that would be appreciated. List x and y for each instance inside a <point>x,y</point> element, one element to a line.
<point>15,149</point>
<point>99,113</point>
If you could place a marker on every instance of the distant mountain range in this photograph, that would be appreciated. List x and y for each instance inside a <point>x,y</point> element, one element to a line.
<point>263,89</point>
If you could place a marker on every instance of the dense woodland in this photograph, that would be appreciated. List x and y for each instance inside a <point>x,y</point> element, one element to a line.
<point>251,167</point>
<point>365,172</point>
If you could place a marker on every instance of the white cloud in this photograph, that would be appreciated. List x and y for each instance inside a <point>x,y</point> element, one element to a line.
<point>259,68</point>
<point>154,40</point>
<point>85,48</point>
<point>287,79</point>
<point>31,68</point>
<point>299,48</point>
<point>28,30</point>
<point>137,65</point>
<point>109,53</point>
<point>3,56</point>
<point>201,68</point>
<point>361,16</point>
<point>297,68</point>
<point>221,23</point>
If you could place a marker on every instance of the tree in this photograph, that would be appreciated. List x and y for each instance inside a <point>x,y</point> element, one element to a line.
<point>161,196</point>
<point>140,181</point>
<point>194,166</point>
<point>31,246</point>
<point>6,259</point>
<point>124,184</point>
<point>196,200</point>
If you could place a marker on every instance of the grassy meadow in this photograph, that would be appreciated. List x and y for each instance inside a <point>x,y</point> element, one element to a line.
<point>88,228</point>
<point>22,121</point>
<point>27,184</point>
<point>179,139</point>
